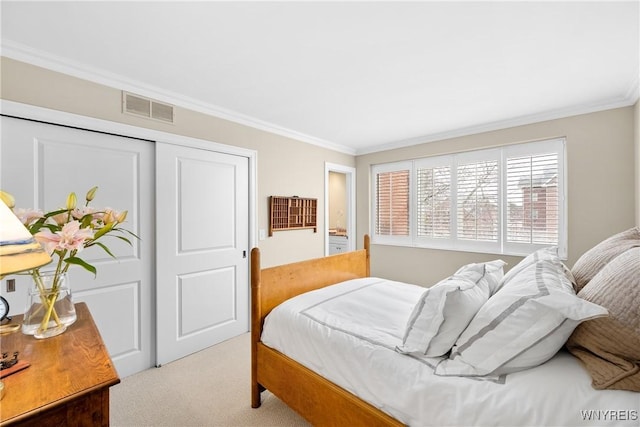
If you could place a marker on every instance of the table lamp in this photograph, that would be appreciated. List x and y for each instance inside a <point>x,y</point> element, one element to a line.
<point>19,251</point>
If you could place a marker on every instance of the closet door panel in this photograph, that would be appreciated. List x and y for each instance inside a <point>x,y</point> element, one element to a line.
<point>41,164</point>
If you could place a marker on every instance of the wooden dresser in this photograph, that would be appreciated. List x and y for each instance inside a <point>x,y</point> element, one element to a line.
<point>68,381</point>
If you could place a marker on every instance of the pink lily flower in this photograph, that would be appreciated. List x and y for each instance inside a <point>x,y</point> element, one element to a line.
<point>71,237</point>
<point>28,216</point>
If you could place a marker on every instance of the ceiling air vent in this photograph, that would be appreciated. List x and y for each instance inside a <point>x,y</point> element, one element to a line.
<point>145,107</point>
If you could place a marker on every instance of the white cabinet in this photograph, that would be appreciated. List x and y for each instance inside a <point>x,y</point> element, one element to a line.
<point>337,244</point>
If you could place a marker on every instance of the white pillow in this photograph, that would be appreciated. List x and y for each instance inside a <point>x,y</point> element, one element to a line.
<point>523,325</point>
<point>550,253</point>
<point>444,310</point>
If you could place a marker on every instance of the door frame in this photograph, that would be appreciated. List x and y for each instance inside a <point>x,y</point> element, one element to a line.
<point>31,112</point>
<point>350,173</point>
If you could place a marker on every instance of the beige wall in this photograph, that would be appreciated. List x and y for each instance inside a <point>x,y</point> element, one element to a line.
<point>601,162</point>
<point>286,167</point>
<point>601,189</point>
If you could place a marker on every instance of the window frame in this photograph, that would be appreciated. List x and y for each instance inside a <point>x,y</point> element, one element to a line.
<point>501,246</point>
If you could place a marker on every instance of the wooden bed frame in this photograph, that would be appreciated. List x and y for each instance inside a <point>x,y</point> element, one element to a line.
<point>318,400</point>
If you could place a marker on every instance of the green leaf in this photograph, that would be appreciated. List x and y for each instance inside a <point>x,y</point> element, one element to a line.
<point>132,234</point>
<point>82,263</point>
<point>125,239</point>
<point>86,221</point>
<point>54,213</point>
<point>105,249</point>
<point>104,230</point>
<point>36,227</point>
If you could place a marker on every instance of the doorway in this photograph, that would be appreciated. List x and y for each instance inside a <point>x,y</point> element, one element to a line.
<point>339,209</point>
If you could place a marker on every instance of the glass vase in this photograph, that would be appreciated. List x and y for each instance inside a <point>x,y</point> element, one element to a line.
<point>50,307</point>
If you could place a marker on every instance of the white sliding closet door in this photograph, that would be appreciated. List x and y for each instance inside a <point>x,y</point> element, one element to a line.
<point>41,164</point>
<point>202,255</point>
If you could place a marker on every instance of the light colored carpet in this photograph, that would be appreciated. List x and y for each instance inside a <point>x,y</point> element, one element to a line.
<point>209,388</point>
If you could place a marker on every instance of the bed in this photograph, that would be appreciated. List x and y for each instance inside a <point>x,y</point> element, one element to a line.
<point>315,372</point>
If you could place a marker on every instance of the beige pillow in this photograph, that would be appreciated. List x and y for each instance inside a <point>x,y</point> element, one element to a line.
<point>592,261</point>
<point>609,347</point>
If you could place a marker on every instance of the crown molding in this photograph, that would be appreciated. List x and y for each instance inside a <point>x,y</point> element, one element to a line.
<point>630,98</point>
<point>20,52</point>
<point>62,65</point>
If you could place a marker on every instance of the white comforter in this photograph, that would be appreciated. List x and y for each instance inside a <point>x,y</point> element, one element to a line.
<point>348,332</point>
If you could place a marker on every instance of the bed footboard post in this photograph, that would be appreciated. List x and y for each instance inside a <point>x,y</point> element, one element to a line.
<point>367,246</point>
<point>256,325</point>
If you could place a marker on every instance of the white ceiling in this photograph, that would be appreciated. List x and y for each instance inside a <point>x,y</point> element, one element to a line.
<point>353,76</point>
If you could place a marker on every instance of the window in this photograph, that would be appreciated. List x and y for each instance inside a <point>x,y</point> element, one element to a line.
<point>434,202</point>
<point>392,197</point>
<point>508,200</point>
<point>477,201</point>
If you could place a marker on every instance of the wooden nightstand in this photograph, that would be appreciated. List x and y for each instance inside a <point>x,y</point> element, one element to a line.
<point>68,380</point>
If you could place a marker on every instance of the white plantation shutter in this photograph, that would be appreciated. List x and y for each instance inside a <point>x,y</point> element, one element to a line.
<point>508,200</point>
<point>434,202</point>
<point>392,202</point>
<point>477,201</point>
<point>533,199</point>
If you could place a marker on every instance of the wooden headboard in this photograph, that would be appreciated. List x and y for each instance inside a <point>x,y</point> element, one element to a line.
<point>274,285</point>
<point>312,396</point>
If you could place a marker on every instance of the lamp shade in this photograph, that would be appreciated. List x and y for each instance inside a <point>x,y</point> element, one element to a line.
<point>19,251</point>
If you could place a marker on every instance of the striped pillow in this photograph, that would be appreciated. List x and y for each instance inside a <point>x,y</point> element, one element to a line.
<point>549,253</point>
<point>444,310</point>
<point>523,325</point>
